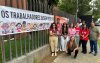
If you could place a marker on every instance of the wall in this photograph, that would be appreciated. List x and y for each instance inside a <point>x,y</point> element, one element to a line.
<point>34,56</point>
<point>14,3</point>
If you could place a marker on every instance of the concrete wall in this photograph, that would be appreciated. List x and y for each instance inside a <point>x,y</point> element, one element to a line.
<point>34,56</point>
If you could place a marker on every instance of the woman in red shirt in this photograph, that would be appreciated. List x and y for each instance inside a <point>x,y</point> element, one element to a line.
<point>84,33</point>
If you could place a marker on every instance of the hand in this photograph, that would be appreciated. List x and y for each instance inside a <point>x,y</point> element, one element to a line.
<point>84,37</point>
<point>74,51</point>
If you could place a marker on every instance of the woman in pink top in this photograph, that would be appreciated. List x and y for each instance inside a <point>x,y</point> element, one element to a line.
<point>71,30</point>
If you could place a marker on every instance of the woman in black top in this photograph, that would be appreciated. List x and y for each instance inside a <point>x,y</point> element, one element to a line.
<point>72,47</point>
<point>64,37</point>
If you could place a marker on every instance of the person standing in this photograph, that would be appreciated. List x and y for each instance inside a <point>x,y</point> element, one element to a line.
<point>53,39</point>
<point>71,30</point>
<point>59,28</point>
<point>84,36</point>
<point>64,37</point>
<point>72,47</point>
<point>83,23</point>
<point>94,35</point>
<point>77,36</point>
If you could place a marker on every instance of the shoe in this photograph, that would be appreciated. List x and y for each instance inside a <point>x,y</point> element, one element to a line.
<point>68,54</point>
<point>84,52</point>
<point>61,50</point>
<point>57,50</point>
<point>55,54</point>
<point>52,54</point>
<point>75,57</point>
<point>90,52</point>
<point>95,54</point>
<point>81,51</point>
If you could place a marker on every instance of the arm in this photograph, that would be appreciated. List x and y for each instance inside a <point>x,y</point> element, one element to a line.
<point>81,35</point>
<point>87,34</point>
<point>51,33</point>
<point>75,49</point>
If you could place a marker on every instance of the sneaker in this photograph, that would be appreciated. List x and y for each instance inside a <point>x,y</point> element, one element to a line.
<point>95,54</point>
<point>55,54</point>
<point>61,50</point>
<point>52,54</point>
<point>81,51</point>
<point>75,57</point>
<point>68,54</point>
<point>90,52</point>
<point>57,50</point>
<point>84,52</point>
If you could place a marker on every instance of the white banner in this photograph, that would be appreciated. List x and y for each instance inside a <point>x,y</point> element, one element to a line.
<point>14,21</point>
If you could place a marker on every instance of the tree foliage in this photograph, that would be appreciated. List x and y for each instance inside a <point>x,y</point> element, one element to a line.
<point>83,6</point>
<point>70,6</point>
<point>97,12</point>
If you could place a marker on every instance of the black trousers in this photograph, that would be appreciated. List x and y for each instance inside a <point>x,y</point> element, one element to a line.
<point>84,48</point>
<point>70,51</point>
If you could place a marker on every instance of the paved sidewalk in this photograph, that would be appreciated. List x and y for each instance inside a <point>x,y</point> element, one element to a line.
<point>81,58</point>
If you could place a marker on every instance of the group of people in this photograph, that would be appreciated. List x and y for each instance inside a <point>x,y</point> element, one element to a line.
<point>68,38</point>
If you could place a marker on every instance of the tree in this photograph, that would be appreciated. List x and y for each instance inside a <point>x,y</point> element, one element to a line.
<point>70,6</point>
<point>96,12</point>
<point>83,6</point>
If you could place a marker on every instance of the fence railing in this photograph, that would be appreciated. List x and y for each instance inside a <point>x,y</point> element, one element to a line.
<point>14,46</point>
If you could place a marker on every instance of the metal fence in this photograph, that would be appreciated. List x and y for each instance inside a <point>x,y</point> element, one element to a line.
<point>14,46</point>
<point>20,44</point>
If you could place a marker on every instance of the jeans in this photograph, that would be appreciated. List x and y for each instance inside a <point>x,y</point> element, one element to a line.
<point>59,42</point>
<point>77,38</point>
<point>64,42</point>
<point>93,46</point>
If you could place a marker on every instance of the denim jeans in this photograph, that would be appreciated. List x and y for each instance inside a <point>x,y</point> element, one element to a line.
<point>77,39</point>
<point>59,42</point>
<point>93,46</point>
